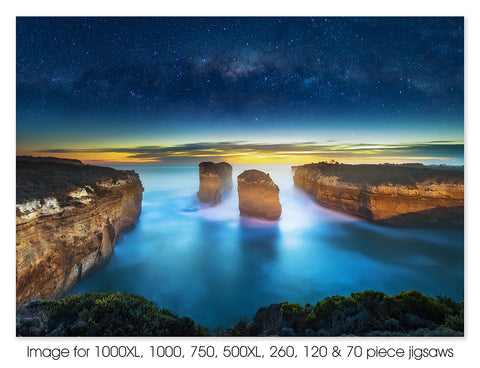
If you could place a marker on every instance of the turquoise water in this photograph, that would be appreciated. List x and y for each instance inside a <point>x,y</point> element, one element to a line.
<point>216,267</point>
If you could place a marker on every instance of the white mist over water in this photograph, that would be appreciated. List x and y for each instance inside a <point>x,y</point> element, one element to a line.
<point>216,267</point>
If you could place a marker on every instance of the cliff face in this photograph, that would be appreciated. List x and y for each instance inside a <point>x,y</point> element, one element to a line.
<point>258,195</point>
<point>215,180</point>
<point>58,241</point>
<point>409,197</point>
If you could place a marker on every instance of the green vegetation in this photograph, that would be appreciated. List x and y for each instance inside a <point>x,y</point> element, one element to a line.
<point>43,177</point>
<point>104,314</point>
<point>367,313</point>
<point>401,174</point>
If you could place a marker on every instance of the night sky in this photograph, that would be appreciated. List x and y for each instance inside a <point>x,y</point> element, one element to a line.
<point>285,90</point>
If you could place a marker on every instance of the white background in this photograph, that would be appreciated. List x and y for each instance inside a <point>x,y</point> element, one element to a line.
<point>13,350</point>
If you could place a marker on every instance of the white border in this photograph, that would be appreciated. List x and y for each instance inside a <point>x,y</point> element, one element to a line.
<point>465,348</point>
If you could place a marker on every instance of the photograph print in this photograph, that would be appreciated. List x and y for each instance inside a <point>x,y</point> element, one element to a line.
<point>240,176</point>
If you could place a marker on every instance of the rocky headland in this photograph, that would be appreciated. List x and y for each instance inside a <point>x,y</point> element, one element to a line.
<point>68,218</point>
<point>215,180</point>
<point>410,194</point>
<point>258,195</point>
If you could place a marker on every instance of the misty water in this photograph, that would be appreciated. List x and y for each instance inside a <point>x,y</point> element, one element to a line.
<point>216,267</point>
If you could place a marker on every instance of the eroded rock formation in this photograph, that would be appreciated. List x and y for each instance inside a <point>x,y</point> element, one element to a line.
<point>215,180</point>
<point>60,238</point>
<point>394,194</point>
<point>258,195</point>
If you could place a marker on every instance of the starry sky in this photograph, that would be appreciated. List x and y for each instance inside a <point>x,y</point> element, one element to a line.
<point>276,90</point>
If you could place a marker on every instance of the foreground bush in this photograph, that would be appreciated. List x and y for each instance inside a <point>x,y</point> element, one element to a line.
<point>368,313</point>
<point>102,314</point>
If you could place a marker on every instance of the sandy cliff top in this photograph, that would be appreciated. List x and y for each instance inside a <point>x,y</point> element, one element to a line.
<point>406,174</point>
<point>49,177</point>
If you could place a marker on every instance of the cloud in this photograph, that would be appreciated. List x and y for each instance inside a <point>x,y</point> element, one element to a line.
<point>232,150</point>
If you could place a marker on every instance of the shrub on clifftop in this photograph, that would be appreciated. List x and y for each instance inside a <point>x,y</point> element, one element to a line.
<point>102,314</point>
<point>367,313</point>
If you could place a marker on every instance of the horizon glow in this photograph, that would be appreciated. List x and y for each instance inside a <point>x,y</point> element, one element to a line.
<point>278,90</point>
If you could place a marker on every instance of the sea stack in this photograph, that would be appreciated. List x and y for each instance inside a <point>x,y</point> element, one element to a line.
<point>215,180</point>
<point>258,195</point>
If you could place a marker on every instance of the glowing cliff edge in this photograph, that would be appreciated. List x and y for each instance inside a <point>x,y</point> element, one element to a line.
<point>60,240</point>
<point>394,194</point>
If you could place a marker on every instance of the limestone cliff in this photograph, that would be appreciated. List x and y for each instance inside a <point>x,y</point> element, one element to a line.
<point>258,195</point>
<point>394,194</point>
<point>68,218</point>
<point>215,180</point>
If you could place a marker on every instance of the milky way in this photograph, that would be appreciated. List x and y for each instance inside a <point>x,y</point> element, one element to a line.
<point>247,72</point>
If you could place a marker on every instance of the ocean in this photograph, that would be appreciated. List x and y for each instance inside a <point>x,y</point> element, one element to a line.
<point>213,265</point>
